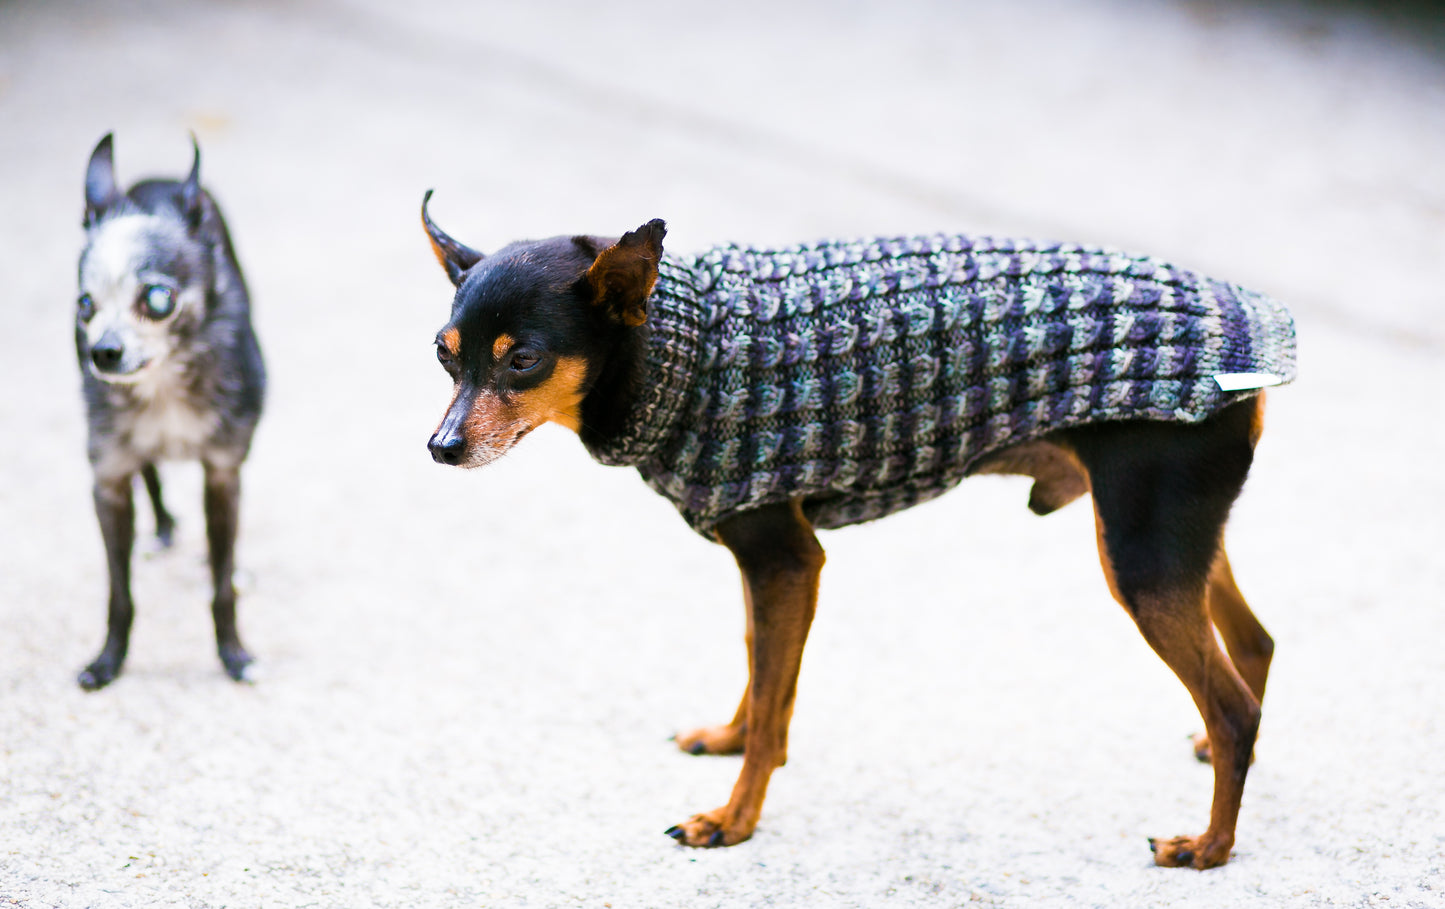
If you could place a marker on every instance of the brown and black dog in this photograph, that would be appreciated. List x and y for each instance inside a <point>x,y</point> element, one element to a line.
<point>557,330</point>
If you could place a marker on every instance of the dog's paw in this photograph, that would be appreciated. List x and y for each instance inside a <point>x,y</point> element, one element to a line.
<point>239,664</point>
<point>725,739</point>
<point>98,674</point>
<point>1191,851</point>
<point>711,829</point>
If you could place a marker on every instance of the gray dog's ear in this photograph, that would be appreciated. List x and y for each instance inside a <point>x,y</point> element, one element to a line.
<point>453,256</point>
<point>191,189</point>
<point>623,275</point>
<point>100,191</point>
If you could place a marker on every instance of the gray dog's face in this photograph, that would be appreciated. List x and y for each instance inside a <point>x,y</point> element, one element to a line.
<point>142,292</point>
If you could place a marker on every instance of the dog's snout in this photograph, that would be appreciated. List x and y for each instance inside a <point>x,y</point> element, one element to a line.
<point>107,353</point>
<point>447,449</point>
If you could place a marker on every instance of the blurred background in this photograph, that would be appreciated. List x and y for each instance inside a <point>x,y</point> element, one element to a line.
<point>470,678</point>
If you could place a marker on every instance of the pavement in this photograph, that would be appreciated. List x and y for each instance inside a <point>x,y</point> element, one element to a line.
<point>470,679</point>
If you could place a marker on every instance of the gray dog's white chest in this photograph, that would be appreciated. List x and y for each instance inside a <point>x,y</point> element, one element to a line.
<point>169,427</point>
<point>162,422</point>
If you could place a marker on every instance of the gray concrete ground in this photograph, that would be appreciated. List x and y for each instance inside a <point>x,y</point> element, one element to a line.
<point>470,679</point>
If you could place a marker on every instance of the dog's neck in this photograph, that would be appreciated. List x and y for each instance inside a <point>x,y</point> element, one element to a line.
<point>634,407</point>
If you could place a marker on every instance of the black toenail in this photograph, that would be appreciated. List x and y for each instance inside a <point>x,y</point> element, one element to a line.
<point>715,839</point>
<point>675,832</point>
<point>697,748</point>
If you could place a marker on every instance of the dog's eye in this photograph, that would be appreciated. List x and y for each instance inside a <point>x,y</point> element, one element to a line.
<point>85,307</point>
<point>159,301</point>
<point>444,356</point>
<point>521,362</point>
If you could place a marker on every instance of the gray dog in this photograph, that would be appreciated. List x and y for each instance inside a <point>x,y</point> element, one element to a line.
<point>170,370</point>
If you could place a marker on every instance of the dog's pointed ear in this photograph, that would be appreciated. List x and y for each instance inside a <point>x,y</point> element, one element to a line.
<point>100,189</point>
<point>453,256</point>
<point>191,189</point>
<point>623,275</point>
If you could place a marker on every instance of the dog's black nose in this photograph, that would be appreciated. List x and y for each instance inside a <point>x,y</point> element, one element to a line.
<point>106,354</point>
<point>448,450</point>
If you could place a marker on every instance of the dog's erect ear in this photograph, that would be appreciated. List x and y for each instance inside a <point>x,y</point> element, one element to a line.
<point>453,256</point>
<point>623,274</point>
<point>100,191</point>
<point>191,189</point>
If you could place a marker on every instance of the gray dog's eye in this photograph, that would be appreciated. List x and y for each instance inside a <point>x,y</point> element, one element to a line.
<point>85,307</point>
<point>159,301</point>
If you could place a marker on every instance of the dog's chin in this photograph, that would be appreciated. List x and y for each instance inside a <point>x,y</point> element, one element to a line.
<point>492,450</point>
<point>481,458</point>
<point>133,377</point>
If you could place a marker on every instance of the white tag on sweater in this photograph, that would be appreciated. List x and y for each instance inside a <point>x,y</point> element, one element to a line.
<point>1241,381</point>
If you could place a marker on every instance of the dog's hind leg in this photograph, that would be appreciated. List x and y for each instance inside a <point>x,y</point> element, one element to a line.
<point>115,509</point>
<point>1174,623</point>
<point>1162,494</point>
<point>781,562</point>
<point>1250,646</point>
<point>223,502</point>
<point>165,524</point>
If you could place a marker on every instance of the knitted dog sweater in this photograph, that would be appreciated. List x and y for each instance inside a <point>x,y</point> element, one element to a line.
<point>870,376</point>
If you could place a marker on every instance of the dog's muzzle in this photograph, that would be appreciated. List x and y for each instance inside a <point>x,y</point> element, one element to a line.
<point>111,362</point>
<point>474,431</point>
<point>448,445</point>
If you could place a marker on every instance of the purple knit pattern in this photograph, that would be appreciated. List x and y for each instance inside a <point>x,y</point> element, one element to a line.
<point>869,376</point>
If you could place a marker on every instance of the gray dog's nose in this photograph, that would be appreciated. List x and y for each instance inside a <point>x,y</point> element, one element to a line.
<point>106,354</point>
<point>448,450</point>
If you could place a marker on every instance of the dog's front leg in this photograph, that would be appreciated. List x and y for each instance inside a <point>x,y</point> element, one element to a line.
<point>223,504</point>
<point>780,560</point>
<point>115,509</point>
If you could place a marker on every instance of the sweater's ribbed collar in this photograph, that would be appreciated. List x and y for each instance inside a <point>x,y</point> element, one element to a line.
<point>674,354</point>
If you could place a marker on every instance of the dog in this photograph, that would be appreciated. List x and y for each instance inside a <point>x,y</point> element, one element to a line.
<point>767,393</point>
<point>170,369</point>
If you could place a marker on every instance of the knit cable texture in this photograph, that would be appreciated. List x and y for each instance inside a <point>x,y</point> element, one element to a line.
<point>869,376</point>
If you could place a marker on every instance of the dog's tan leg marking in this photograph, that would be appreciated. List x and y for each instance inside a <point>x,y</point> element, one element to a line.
<point>1175,622</point>
<point>781,562</point>
<point>1250,646</point>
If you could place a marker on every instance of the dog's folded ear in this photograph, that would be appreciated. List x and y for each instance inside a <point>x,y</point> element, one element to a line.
<point>623,274</point>
<point>100,189</point>
<point>453,256</point>
<point>191,189</point>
